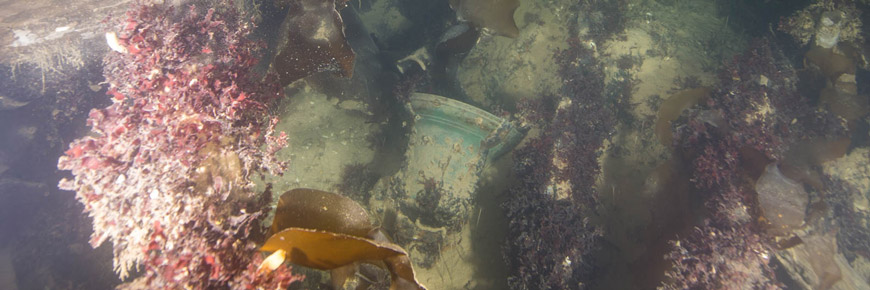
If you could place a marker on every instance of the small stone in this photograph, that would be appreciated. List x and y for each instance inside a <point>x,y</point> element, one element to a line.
<point>763,80</point>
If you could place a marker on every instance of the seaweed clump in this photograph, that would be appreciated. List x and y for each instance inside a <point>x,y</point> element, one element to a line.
<point>166,174</point>
<point>550,232</point>
<point>605,18</point>
<point>357,179</point>
<point>762,122</point>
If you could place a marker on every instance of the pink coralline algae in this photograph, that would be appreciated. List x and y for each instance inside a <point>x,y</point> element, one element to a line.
<point>166,173</point>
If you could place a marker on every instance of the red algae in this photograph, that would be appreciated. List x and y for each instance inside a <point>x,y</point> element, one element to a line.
<point>166,174</point>
<point>735,172</point>
<point>550,233</point>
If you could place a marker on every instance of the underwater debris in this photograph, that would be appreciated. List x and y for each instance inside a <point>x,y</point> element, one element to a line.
<point>495,15</point>
<point>421,57</point>
<point>166,174</point>
<point>326,231</point>
<point>450,144</point>
<point>315,41</point>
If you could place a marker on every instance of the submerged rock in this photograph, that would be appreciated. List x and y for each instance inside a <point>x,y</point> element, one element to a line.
<point>783,201</point>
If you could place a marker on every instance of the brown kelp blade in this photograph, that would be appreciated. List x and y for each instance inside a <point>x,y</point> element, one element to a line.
<point>315,41</point>
<point>325,231</point>
<point>402,273</point>
<point>321,210</point>
<point>401,270</point>
<point>495,15</point>
<point>831,63</point>
<point>326,251</point>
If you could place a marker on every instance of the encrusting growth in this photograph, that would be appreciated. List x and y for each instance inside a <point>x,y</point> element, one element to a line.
<point>166,173</point>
